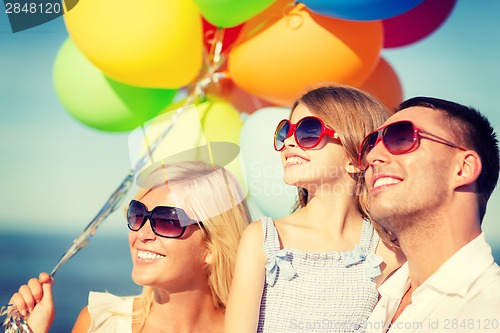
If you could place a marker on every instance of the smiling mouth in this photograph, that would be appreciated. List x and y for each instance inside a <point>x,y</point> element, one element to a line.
<point>384,181</point>
<point>148,256</point>
<point>295,160</point>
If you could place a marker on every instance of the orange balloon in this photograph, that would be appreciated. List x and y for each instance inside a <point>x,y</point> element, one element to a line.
<point>239,99</point>
<point>279,56</point>
<point>385,85</point>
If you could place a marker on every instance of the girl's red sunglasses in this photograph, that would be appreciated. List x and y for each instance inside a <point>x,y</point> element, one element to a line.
<point>308,132</point>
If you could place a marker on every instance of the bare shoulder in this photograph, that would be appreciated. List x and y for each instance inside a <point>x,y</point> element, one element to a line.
<point>83,322</point>
<point>251,243</point>
<point>393,259</point>
<point>253,232</point>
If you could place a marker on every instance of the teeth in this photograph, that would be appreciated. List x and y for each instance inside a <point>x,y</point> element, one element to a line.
<point>295,160</point>
<point>148,255</point>
<point>385,181</point>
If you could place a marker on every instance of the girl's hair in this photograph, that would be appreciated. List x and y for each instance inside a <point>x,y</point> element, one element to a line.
<point>214,195</point>
<point>353,114</point>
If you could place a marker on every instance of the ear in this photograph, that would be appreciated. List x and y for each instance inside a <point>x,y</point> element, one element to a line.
<point>352,168</point>
<point>469,168</point>
<point>209,258</point>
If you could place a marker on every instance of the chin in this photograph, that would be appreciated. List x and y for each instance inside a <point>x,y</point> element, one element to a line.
<point>292,181</point>
<point>142,280</point>
<point>297,180</point>
<point>380,212</point>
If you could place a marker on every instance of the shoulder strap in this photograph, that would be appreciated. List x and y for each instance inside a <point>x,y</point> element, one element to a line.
<point>271,240</point>
<point>369,237</point>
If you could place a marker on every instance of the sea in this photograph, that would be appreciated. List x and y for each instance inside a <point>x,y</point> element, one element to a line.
<point>103,265</point>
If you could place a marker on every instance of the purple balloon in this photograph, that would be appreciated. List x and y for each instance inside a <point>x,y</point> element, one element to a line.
<point>417,23</point>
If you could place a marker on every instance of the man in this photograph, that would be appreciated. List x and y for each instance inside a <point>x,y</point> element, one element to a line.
<point>430,170</point>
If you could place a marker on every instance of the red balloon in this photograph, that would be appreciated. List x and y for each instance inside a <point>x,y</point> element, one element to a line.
<point>228,36</point>
<point>416,23</point>
<point>384,84</point>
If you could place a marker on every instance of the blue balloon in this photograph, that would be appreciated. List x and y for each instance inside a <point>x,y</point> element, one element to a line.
<point>361,10</point>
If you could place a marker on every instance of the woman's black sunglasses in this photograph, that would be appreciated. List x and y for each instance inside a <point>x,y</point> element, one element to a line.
<point>166,221</point>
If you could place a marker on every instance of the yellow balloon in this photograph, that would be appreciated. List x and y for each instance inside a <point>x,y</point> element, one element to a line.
<point>214,120</point>
<point>155,43</point>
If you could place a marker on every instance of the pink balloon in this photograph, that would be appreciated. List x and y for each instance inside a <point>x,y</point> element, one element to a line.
<point>416,23</point>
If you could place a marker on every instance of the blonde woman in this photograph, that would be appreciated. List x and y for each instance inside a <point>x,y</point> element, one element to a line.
<point>184,230</point>
<point>316,270</point>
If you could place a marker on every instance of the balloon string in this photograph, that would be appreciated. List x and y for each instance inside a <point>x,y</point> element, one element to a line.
<point>216,49</point>
<point>16,323</point>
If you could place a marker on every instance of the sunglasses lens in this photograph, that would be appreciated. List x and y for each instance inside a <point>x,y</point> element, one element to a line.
<point>308,132</point>
<point>135,215</point>
<point>165,222</point>
<point>281,134</point>
<point>399,137</point>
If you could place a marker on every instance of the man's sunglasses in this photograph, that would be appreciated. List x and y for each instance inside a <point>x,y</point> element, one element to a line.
<point>308,132</point>
<point>169,222</point>
<point>398,138</point>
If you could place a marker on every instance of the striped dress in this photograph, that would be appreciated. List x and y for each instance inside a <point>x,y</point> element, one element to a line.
<point>326,292</point>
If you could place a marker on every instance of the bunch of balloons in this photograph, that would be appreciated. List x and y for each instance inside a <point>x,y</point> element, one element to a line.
<point>126,61</point>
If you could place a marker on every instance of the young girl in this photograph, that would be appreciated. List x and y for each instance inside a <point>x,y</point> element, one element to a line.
<point>317,269</point>
<point>184,232</point>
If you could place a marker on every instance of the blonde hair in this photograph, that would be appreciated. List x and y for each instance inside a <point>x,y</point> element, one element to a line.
<point>215,196</point>
<point>353,114</point>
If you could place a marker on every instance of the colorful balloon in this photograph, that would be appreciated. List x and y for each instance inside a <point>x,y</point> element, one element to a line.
<point>263,168</point>
<point>239,99</point>
<point>230,13</point>
<point>98,101</point>
<point>154,44</point>
<point>278,57</point>
<point>362,10</point>
<point>227,36</point>
<point>216,121</point>
<point>385,85</point>
<point>417,23</point>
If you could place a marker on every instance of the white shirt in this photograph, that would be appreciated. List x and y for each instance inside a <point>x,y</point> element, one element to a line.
<point>463,295</point>
<point>110,313</point>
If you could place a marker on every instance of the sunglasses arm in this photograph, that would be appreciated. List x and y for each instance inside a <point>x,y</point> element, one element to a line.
<point>435,138</point>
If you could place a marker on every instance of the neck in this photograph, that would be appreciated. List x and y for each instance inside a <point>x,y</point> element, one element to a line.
<point>184,312</point>
<point>429,245</point>
<point>332,209</point>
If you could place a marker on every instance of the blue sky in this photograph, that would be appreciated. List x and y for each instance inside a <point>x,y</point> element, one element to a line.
<point>56,173</point>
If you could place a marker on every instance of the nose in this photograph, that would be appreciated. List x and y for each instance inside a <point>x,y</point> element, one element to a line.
<point>146,233</point>
<point>378,154</point>
<point>290,137</point>
<point>290,141</point>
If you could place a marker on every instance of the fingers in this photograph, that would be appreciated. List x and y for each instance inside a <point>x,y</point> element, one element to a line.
<point>18,300</point>
<point>33,293</point>
<point>45,278</point>
<point>47,288</point>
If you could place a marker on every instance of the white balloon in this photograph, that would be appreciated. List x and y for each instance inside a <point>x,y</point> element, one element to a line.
<point>262,164</point>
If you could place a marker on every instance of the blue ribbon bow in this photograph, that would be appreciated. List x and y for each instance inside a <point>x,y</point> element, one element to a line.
<point>359,254</point>
<point>282,261</point>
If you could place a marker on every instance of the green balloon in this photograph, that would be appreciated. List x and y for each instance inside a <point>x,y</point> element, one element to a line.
<point>100,102</point>
<point>230,13</point>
